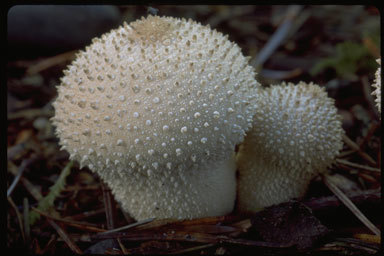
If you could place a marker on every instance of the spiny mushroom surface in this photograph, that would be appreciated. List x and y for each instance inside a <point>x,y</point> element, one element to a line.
<point>377,86</point>
<point>296,133</point>
<point>156,108</point>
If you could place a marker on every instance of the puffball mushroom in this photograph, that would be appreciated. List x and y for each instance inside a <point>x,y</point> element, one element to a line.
<point>296,134</point>
<point>156,108</point>
<point>377,86</point>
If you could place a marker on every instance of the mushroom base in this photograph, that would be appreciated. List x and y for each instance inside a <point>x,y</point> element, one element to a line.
<point>262,184</point>
<point>195,193</point>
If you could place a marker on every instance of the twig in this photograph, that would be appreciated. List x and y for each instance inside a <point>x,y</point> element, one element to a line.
<point>357,197</point>
<point>78,187</point>
<point>35,193</point>
<point>15,150</point>
<point>276,39</point>
<point>243,227</point>
<point>209,220</point>
<point>359,166</point>
<point>368,178</point>
<point>356,147</point>
<point>372,128</point>
<point>109,205</point>
<point>346,153</point>
<point>354,247</point>
<point>123,249</point>
<point>85,214</point>
<point>65,237</point>
<point>30,114</point>
<point>19,218</point>
<point>368,238</point>
<point>172,235</point>
<point>50,62</point>
<point>81,225</point>
<point>24,164</point>
<point>192,249</point>
<point>126,227</point>
<point>206,221</point>
<point>347,202</point>
<point>358,242</point>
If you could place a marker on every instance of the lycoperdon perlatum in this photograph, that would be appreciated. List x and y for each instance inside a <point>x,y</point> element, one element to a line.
<point>156,108</point>
<point>296,134</point>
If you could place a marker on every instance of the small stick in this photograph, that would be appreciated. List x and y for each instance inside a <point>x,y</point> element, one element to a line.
<point>347,202</point>
<point>208,220</point>
<point>346,153</point>
<point>65,237</point>
<point>85,214</point>
<point>109,205</point>
<point>81,225</point>
<point>368,238</point>
<point>50,62</point>
<point>356,147</point>
<point>27,184</point>
<point>276,39</point>
<point>368,178</point>
<point>30,114</point>
<point>172,235</point>
<point>15,150</point>
<point>359,166</point>
<point>358,242</point>
<point>372,128</point>
<point>127,226</point>
<point>123,249</point>
<point>76,187</point>
<point>24,164</point>
<point>358,197</point>
<point>204,246</point>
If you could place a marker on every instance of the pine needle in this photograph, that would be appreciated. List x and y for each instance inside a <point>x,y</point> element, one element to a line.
<point>351,206</point>
<point>359,166</point>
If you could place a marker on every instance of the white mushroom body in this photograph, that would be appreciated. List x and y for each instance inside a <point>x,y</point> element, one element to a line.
<point>377,86</point>
<point>296,134</point>
<point>156,109</point>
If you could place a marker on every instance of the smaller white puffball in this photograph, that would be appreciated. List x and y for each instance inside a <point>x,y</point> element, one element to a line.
<point>296,134</point>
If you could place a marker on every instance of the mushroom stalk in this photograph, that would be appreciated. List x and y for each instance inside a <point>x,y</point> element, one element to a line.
<point>268,184</point>
<point>177,195</point>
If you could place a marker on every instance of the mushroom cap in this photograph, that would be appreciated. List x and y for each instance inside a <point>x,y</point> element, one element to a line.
<point>296,134</point>
<point>155,98</point>
<point>377,86</point>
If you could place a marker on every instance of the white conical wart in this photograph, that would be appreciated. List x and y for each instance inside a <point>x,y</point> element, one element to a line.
<point>296,134</point>
<point>156,108</point>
